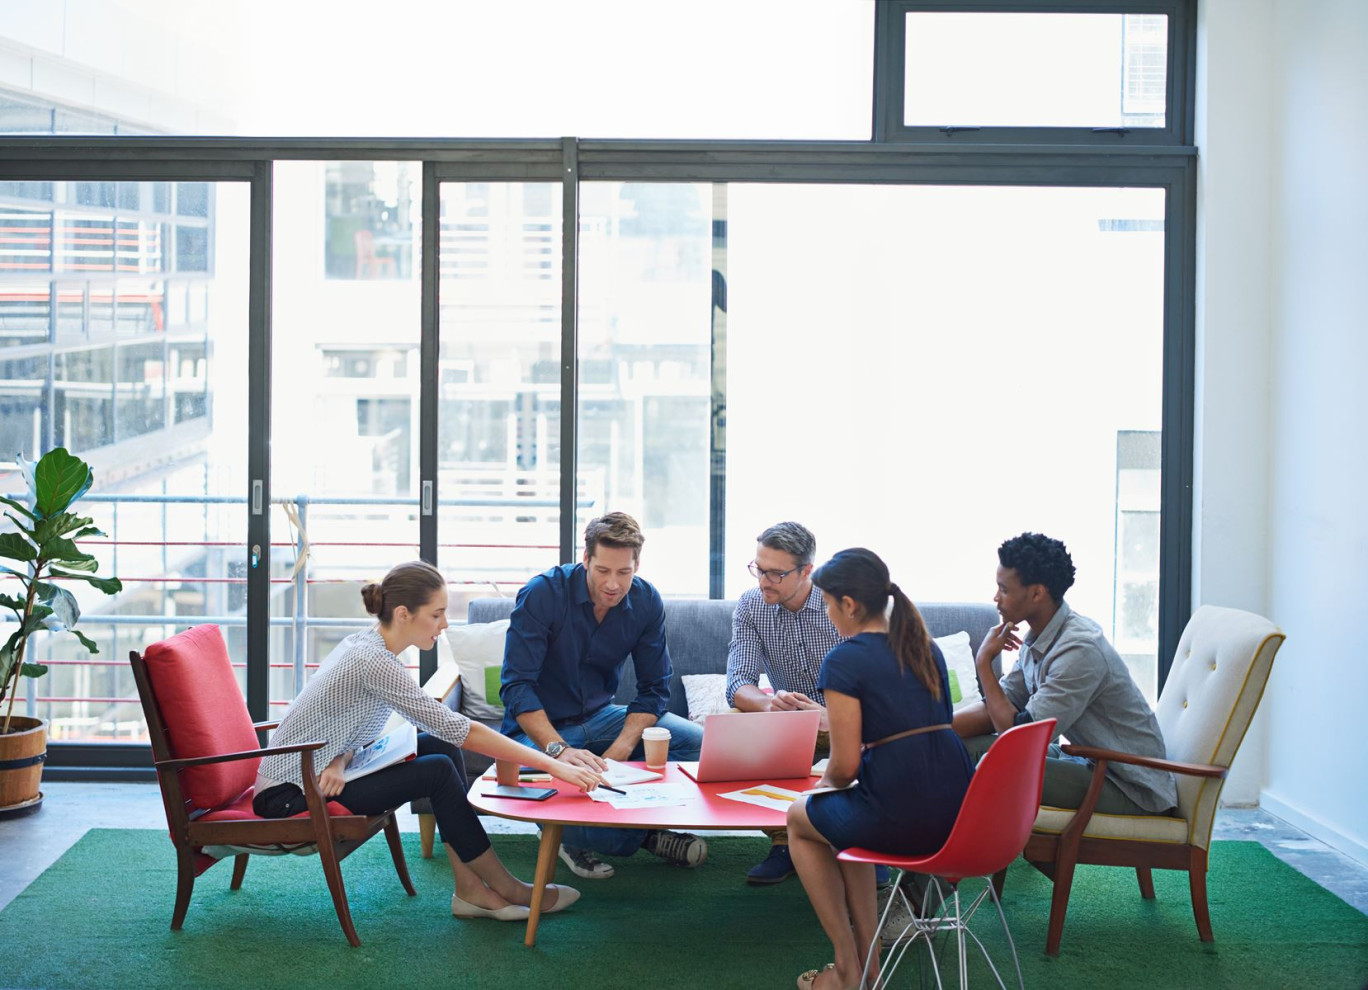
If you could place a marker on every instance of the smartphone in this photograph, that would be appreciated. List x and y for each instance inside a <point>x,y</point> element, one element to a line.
<point>521,793</point>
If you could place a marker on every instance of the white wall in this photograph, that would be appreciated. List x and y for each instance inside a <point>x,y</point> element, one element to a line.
<point>1318,548</point>
<point>1230,455</point>
<point>1282,311</point>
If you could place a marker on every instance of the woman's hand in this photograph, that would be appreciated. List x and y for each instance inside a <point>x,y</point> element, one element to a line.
<point>330,781</point>
<point>582,777</point>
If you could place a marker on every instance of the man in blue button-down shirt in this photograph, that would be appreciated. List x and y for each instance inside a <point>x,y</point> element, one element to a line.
<point>570,633</point>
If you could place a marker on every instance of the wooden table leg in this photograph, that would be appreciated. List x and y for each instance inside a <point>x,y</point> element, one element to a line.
<point>546,872</point>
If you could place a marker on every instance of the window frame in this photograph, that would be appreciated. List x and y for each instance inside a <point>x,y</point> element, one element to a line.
<point>890,47</point>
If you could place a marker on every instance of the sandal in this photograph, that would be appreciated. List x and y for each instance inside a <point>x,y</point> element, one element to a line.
<point>806,980</point>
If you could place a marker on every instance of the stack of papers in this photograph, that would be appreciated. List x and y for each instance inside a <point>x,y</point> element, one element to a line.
<point>620,774</point>
<point>645,796</point>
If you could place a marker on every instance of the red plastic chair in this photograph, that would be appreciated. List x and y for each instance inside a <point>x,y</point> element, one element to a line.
<point>990,831</point>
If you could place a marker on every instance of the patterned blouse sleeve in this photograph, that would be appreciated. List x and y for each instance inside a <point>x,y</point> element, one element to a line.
<point>389,681</point>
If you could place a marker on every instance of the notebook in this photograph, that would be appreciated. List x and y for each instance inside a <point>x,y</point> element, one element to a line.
<point>755,746</point>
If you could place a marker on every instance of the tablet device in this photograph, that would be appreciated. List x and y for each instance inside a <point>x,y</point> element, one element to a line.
<point>521,793</point>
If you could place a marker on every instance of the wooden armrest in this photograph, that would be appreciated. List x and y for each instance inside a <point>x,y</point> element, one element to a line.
<point>1112,756</point>
<point>259,726</point>
<point>196,761</point>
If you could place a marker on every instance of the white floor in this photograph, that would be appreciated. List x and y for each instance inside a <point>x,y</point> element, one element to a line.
<point>34,842</point>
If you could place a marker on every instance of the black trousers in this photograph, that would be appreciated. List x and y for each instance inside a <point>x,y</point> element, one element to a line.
<point>436,774</point>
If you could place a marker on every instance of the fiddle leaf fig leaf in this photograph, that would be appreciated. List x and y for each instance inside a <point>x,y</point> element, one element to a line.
<point>110,586</point>
<point>88,643</point>
<point>15,547</point>
<point>59,479</point>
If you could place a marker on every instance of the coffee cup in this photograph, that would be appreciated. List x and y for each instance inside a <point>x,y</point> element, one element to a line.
<point>506,772</point>
<point>656,741</point>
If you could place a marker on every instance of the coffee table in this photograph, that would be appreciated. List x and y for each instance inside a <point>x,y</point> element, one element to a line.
<point>704,811</point>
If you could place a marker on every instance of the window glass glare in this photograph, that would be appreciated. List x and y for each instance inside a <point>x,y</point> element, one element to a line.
<point>1040,70</point>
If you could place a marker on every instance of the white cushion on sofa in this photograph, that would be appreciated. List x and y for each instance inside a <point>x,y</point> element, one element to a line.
<point>959,664</point>
<point>706,695</point>
<point>478,649</point>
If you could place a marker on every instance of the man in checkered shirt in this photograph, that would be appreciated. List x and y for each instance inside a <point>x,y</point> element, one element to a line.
<point>780,629</point>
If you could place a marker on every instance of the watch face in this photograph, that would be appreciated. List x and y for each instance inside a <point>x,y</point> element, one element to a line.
<point>554,749</point>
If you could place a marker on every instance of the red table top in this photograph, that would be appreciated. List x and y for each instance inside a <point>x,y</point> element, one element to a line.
<point>705,809</point>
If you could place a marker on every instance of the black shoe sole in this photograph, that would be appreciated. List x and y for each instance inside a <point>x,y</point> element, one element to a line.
<point>767,881</point>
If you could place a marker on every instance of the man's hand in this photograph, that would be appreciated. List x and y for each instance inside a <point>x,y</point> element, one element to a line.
<point>1001,637</point>
<point>582,758</point>
<point>797,701</point>
<point>618,751</point>
<point>330,781</point>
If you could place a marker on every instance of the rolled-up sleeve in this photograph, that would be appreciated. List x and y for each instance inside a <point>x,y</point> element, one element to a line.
<point>525,648</point>
<point>1075,675</point>
<point>651,658</point>
<point>744,655</point>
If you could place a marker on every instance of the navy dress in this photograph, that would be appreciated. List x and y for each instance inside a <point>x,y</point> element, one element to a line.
<point>909,790</point>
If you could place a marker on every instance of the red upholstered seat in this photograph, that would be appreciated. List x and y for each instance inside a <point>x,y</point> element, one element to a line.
<point>205,749</point>
<point>240,810</point>
<point>204,713</point>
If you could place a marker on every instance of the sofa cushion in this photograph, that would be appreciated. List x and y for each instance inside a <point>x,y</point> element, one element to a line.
<point>478,650</point>
<point>706,694</point>
<point>204,712</point>
<point>1146,828</point>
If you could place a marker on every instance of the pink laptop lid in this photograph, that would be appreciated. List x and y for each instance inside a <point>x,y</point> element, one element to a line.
<point>756,746</point>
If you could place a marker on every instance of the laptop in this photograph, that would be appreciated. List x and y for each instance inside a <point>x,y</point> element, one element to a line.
<point>755,746</point>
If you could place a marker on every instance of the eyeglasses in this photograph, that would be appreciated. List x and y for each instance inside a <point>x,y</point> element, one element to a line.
<point>774,576</point>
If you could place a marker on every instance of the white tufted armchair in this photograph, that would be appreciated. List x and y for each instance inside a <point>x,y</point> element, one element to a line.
<point>1212,691</point>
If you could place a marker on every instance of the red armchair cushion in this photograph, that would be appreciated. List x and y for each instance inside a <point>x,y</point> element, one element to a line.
<point>204,712</point>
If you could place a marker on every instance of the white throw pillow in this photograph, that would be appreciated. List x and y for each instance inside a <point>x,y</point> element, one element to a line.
<point>706,695</point>
<point>959,664</point>
<point>478,649</point>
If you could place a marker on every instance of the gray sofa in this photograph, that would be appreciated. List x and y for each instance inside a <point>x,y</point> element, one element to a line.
<point>699,632</point>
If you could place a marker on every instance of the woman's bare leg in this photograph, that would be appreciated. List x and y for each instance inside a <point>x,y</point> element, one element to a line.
<point>497,887</point>
<point>824,879</point>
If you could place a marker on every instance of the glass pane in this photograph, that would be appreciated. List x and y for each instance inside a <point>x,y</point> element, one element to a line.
<point>344,408</point>
<point>942,418</point>
<point>596,68</point>
<point>159,410</point>
<point>1038,70</point>
<point>498,412</point>
<point>646,287</point>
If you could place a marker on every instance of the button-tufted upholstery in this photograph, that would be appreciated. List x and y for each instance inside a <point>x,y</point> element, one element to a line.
<point>1213,688</point>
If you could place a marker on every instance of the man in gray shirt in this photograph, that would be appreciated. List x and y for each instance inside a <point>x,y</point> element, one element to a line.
<point>1069,672</point>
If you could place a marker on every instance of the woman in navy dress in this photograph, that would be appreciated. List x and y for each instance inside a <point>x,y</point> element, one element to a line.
<point>890,714</point>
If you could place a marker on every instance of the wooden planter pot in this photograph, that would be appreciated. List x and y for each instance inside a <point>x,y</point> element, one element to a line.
<point>23,751</point>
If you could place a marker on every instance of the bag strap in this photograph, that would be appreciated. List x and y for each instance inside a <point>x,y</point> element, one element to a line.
<point>903,735</point>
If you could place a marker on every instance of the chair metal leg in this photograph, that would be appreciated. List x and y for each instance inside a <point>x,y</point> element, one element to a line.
<point>959,942</point>
<point>1006,930</point>
<point>875,945</point>
<point>1146,878</point>
<point>185,883</point>
<point>396,847</point>
<point>239,871</point>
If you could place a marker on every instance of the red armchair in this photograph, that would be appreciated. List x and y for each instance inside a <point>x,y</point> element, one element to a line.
<point>205,749</point>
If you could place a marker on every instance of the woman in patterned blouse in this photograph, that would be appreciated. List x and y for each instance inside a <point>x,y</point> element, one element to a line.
<point>347,703</point>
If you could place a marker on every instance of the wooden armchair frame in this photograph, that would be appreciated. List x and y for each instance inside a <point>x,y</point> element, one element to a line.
<point>335,836</point>
<point>1056,856</point>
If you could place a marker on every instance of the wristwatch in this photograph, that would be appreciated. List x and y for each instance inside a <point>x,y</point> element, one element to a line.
<point>556,748</point>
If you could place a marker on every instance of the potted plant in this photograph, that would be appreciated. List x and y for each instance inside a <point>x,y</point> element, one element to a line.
<point>43,546</point>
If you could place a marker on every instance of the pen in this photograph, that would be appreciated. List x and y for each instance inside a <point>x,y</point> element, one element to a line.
<point>615,790</point>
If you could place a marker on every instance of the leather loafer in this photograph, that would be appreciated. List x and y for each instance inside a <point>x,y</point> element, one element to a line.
<point>509,912</point>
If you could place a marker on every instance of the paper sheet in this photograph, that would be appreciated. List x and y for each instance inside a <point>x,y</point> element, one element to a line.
<point>620,774</point>
<point>645,796</point>
<point>765,796</point>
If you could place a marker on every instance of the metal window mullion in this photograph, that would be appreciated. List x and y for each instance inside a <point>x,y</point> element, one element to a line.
<point>258,442</point>
<point>1179,363</point>
<point>717,418</point>
<point>428,351</point>
<point>569,356</point>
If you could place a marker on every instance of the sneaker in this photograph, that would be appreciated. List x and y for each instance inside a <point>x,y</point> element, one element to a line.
<point>899,917</point>
<point>775,868</point>
<point>679,848</point>
<point>583,863</point>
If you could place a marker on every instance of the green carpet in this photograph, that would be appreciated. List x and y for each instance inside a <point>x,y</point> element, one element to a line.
<point>99,918</point>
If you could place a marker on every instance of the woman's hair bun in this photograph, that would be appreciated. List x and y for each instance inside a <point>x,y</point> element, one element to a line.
<point>373,598</point>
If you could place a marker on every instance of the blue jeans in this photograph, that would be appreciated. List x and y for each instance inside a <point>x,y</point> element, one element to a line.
<point>596,734</point>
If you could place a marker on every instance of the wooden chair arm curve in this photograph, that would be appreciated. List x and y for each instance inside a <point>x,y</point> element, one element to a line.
<point>1112,756</point>
<point>195,761</point>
